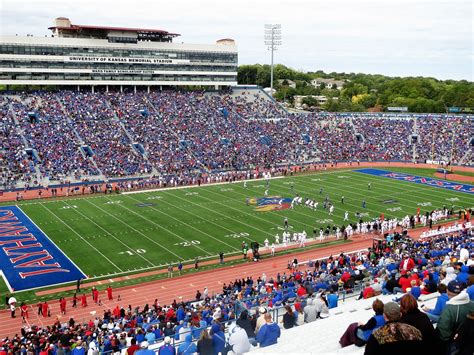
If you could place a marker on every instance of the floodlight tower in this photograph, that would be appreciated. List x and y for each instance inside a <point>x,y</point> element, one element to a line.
<point>272,41</point>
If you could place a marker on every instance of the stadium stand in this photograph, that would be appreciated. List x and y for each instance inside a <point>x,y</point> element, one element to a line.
<point>417,266</point>
<point>114,134</point>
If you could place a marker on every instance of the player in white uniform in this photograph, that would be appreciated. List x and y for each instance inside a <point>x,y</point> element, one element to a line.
<point>277,239</point>
<point>331,210</point>
<point>273,249</point>
<point>266,243</point>
<point>346,216</point>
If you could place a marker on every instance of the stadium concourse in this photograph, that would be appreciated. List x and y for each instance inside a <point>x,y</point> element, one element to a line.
<point>433,257</point>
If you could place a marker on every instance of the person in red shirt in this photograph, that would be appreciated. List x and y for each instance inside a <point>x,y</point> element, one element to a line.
<point>24,311</point>
<point>109,293</point>
<point>368,291</point>
<point>407,263</point>
<point>134,347</point>
<point>45,307</point>
<point>404,282</point>
<point>301,291</point>
<point>95,294</point>
<point>62,305</point>
<point>116,312</point>
<point>83,300</point>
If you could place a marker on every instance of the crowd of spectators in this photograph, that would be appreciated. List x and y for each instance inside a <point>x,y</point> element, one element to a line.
<point>184,133</point>
<point>305,293</point>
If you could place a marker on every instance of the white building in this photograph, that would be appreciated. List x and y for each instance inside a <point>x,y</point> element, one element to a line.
<point>320,99</point>
<point>328,83</point>
<point>101,56</point>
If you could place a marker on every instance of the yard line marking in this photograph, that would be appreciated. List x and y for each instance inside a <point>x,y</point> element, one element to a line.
<point>240,212</point>
<point>209,235</point>
<point>136,230</point>
<point>377,195</point>
<point>169,231</point>
<point>110,234</point>
<point>255,216</point>
<point>80,236</point>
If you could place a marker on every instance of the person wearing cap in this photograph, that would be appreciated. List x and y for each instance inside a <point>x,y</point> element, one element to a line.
<point>144,349</point>
<point>454,314</point>
<point>260,319</point>
<point>394,337</point>
<point>167,348</point>
<point>407,263</point>
<point>269,332</point>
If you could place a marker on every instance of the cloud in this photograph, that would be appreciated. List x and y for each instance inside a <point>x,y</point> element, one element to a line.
<point>416,37</point>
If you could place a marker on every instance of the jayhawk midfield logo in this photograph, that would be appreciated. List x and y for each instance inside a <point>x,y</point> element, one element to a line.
<point>271,203</point>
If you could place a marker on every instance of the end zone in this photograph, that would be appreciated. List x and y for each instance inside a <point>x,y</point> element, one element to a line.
<point>28,258</point>
<point>442,184</point>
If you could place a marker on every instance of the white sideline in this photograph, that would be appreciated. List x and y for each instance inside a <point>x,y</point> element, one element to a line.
<point>202,185</point>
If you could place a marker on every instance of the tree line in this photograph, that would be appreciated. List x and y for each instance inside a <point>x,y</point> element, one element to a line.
<point>363,92</point>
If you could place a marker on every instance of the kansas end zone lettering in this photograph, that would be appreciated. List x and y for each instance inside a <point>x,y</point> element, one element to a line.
<point>28,258</point>
<point>443,184</point>
<point>23,247</point>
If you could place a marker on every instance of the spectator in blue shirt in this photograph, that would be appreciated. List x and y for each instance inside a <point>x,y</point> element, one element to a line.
<point>269,332</point>
<point>433,314</point>
<point>332,299</point>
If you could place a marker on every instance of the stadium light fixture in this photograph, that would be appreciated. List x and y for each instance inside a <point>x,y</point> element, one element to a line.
<point>272,40</point>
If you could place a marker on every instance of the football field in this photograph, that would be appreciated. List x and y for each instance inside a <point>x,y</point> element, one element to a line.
<point>120,233</point>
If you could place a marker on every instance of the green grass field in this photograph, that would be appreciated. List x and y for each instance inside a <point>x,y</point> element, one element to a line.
<point>119,233</point>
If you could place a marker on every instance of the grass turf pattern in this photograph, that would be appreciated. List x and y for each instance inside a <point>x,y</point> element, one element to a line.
<point>113,234</point>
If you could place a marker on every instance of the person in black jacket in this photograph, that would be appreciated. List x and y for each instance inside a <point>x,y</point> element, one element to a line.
<point>413,316</point>
<point>288,318</point>
<point>390,285</point>
<point>204,344</point>
<point>465,335</point>
<point>246,323</point>
<point>395,337</point>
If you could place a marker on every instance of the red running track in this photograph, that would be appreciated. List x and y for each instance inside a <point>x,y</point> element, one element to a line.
<point>169,289</point>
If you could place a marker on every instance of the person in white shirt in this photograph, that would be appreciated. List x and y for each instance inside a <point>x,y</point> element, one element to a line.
<point>238,342</point>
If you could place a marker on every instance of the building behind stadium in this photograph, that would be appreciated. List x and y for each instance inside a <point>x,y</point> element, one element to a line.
<point>93,56</point>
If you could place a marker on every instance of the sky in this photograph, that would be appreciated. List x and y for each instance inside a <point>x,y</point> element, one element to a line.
<point>390,37</point>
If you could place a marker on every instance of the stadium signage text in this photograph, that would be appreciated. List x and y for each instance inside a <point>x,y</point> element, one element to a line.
<point>29,259</point>
<point>92,59</point>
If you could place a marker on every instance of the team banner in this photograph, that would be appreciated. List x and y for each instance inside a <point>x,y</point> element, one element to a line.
<point>28,258</point>
<point>448,185</point>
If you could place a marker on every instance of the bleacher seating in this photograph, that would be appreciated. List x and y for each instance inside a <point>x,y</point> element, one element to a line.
<point>187,134</point>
